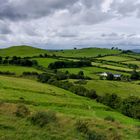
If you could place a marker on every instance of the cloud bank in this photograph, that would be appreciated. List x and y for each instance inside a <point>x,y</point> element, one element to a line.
<point>68,23</point>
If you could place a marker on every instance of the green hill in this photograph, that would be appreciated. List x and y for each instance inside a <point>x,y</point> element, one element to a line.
<point>86,52</point>
<point>31,51</point>
<point>22,51</point>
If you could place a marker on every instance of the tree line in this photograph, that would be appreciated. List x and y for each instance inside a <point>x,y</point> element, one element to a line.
<point>18,61</point>
<point>69,64</point>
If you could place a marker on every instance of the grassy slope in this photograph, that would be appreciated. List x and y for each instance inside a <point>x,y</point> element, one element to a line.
<point>43,97</point>
<point>21,51</point>
<point>123,89</point>
<point>87,52</point>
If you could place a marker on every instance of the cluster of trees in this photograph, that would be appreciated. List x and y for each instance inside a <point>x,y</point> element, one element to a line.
<point>6,73</point>
<point>129,106</point>
<point>18,61</point>
<point>135,75</point>
<point>63,76</point>
<point>77,89</point>
<point>69,64</point>
<point>30,73</point>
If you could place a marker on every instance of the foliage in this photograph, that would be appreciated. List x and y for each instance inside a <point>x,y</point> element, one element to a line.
<point>69,64</point>
<point>22,111</point>
<point>43,118</point>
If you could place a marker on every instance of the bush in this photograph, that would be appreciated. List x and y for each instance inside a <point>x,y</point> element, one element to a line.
<point>109,118</point>
<point>22,111</point>
<point>43,118</point>
<point>92,135</point>
<point>82,126</point>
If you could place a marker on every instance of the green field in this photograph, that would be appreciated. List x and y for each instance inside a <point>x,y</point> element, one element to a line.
<point>18,70</point>
<point>68,106</point>
<point>116,58</point>
<point>45,61</point>
<point>123,89</point>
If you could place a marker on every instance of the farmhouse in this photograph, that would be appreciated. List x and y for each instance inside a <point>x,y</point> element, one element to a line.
<point>106,74</point>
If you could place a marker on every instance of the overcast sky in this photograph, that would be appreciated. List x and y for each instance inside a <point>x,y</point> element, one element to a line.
<point>69,23</point>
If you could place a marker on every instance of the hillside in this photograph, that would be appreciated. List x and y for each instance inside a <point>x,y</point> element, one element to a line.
<point>69,108</point>
<point>22,51</point>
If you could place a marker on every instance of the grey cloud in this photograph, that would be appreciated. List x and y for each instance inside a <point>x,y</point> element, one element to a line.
<point>29,9</point>
<point>4,28</point>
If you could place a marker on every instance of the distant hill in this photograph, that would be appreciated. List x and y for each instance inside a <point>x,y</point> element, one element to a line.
<point>85,52</point>
<point>22,51</point>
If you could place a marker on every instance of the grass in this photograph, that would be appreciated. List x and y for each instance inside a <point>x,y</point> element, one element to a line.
<point>68,106</point>
<point>18,70</point>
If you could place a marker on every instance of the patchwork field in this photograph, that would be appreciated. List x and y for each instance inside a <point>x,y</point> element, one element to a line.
<point>76,117</point>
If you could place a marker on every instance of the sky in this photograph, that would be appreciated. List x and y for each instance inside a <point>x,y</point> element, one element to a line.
<point>64,24</point>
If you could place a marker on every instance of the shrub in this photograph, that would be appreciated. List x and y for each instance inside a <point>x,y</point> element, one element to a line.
<point>109,118</point>
<point>22,111</point>
<point>92,135</point>
<point>82,126</point>
<point>43,118</point>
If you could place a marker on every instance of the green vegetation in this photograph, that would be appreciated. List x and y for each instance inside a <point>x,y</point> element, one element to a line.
<point>73,101</point>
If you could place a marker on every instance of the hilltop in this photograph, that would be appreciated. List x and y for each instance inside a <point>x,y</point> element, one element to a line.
<point>22,51</point>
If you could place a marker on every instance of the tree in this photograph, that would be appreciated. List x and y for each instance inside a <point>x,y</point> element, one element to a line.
<point>135,75</point>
